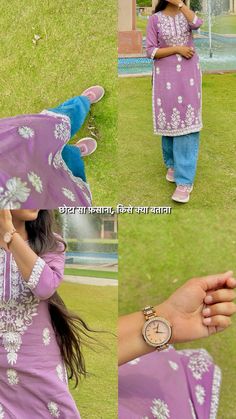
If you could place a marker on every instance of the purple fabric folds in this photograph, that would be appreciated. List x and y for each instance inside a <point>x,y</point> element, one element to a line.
<point>170,385</point>
<point>32,171</point>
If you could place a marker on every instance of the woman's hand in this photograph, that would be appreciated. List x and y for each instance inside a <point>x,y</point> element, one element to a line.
<point>201,307</point>
<point>186,52</point>
<point>6,224</point>
<point>174,2</point>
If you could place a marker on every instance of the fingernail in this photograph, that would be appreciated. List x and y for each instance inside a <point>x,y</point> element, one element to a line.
<point>207,321</point>
<point>208,299</point>
<point>206,312</point>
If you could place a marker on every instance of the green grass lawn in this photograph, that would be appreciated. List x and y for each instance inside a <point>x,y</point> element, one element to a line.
<point>77,49</point>
<point>96,397</point>
<point>90,272</point>
<point>159,253</point>
<point>142,24</point>
<point>140,157</point>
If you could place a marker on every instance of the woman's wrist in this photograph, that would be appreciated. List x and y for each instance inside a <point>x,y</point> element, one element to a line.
<point>164,310</point>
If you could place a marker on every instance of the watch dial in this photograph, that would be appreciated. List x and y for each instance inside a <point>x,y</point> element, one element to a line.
<point>157,332</point>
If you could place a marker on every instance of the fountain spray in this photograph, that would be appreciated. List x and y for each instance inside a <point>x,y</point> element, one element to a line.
<point>210,27</point>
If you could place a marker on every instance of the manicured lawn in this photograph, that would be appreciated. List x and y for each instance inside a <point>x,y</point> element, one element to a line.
<point>77,49</point>
<point>140,158</point>
<point>159,253</point>
<point>90,272</point>
<point>96,396</point>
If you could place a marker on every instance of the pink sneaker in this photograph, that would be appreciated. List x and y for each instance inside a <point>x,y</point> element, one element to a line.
<point>87,146</point>
<point>182,193</point>
<point>94,93</point>
<point>170,175</point>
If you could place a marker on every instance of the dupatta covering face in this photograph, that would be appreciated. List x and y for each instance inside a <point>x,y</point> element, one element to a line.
<point>32,171</point>
<point>170,385</point>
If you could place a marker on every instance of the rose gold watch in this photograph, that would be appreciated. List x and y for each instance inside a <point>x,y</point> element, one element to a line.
<point>8,236</point>
<point>156,330</point>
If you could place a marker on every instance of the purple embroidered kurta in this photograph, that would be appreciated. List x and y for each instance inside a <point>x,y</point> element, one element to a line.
<point>170,385</point>
<point>32,171</point>
<point>177,108</point>
<point>33,378</point>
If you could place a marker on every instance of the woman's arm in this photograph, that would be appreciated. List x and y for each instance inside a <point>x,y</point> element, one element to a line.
<point>201,307</point>
<point>194,21</point>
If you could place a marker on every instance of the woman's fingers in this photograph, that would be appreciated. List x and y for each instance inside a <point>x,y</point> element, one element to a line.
<point>211,282</point>
<point>225,309</point>
<point>218,321</point>
<point>221,295</point>
<point>230,283</point>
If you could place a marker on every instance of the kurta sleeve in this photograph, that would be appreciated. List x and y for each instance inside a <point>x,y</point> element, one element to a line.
<point>152,39</point>
<point>47,274</point>
<point>196,23</point>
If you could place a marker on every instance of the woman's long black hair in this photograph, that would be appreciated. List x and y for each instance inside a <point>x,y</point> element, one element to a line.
<point>161,5</point>
<point>71,331</point>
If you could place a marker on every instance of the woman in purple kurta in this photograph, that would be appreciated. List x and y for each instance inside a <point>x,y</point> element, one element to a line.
<point>170,384</point>
<point>177,109</point>
<point>33,375</point>
<point>37,167</point>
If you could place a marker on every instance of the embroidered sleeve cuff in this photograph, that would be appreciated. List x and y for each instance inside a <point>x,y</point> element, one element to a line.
<point>195,19</point>
<point>36,273</point>
<point>154,53</point>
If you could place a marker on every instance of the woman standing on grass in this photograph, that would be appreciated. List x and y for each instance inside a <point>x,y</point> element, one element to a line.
<point>39,339</point>
<point>177,110</point>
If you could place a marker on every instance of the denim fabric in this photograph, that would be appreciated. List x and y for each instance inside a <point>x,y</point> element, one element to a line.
<point>181,153</point>
<point>76,109</point>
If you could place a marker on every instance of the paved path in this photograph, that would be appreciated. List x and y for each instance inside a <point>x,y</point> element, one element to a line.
<point>88,280</point>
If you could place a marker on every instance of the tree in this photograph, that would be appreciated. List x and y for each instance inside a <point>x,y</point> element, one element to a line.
<point>196,5</point>
<point>144,3</point>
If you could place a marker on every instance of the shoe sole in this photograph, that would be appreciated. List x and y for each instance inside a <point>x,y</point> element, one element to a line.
<point>170,179</point>
<point>92,151</point>
<point>183,201</point>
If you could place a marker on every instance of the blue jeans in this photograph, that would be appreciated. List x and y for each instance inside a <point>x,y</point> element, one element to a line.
<point>181,154</point>
<point>77,110</point>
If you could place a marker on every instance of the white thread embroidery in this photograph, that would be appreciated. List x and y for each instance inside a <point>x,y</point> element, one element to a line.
<point>158,101</point>
<point>175,119</point>
<point>46,336</point>
<point>157,70</point>
<point>53,409</point>
<point>35,180</point>
<point>35,274</point>
<point>50,159</point>
<point>191,82</point>
<point>180,99</point>
<point>62,131</point>
<point>60,372</point>
<point>192,409</point>
<point>26,132</point>
<point>160,409</point>
<point>134,361</point>
<point>215,393</point>
<point>12,377</point>
<point>174,30</point>
<point>173,365</point>
<point>69,194</point>
<point>161,118</point>
<point>2,413</point>
<point>200,394</point>
<point>168,85</point>
<point>178,68</point>
<point>16,191</point>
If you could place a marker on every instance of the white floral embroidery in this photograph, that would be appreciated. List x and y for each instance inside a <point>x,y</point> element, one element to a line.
<point>179,58</point>
<point>46,336</point>
<point>191,82</point>
<point>160,409</point>
<point>53,409</point>
<point>50,159</point>
<point>134,361</point>
<point>35,274</point>
<point>16,191</point>
<point>36,182</point>
<point>199,95</point>
<point>168,85</point>
<point>180,99</point>
<point>159,101</point>
<point>18,307</point>
<point>215,393</point>
<point>62,131</point>
<point>178,68</point>
<point>2,264</point>
<point>175,119</point>
<point>199,364</point>
<point>26,132</point>
<point>200,394</point>
<point>158,70</point>
<point>173,365</point>
<point>161,119</point>
<point>12,377</point>
<point>190,115</point>
<point>174,30</point>
<point>60,372</point>
<point>2,413</point>
<point>68,194</point>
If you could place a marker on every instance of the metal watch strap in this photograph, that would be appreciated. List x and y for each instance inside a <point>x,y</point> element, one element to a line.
<point>149,312</point>
<point>12,234</point>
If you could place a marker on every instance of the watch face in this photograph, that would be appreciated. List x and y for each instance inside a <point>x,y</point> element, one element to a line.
<point>7,237</point>
<point>157,332</point>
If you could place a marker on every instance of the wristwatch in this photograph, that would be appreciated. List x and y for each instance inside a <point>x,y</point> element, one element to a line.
<point>156,330</point>
<point>180,5</point>
<point>7,238</point>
